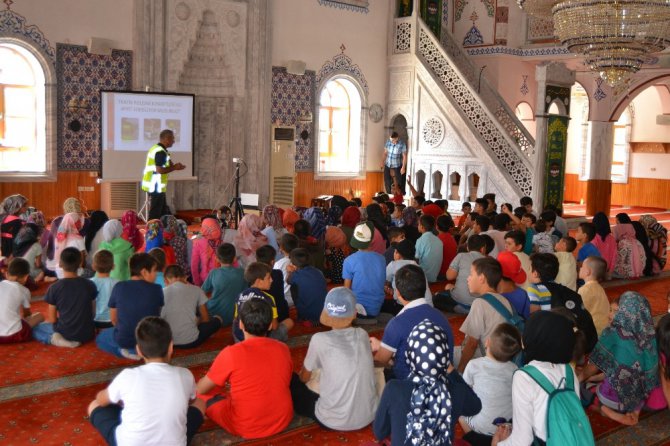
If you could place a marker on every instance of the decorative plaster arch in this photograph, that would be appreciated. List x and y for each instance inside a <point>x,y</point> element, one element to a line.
<point>526,111</point>
<point>634,92</point>
<point>341,64</point>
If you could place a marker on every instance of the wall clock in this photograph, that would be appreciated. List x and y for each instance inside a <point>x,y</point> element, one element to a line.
<point>376,112</point>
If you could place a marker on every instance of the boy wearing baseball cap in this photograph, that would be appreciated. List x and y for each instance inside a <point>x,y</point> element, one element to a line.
<point>364,272</point>
<point>513,276</point>
<point>347,398</point>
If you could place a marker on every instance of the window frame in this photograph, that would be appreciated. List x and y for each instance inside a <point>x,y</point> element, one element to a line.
<point>359,173</point>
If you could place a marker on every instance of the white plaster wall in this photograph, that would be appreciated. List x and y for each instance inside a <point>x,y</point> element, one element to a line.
<point>313,33</point>
<point>647,105</point>
<point>75,21</point>
<point>650,165</point>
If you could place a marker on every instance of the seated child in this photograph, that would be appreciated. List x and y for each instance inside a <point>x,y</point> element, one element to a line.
<point>449,248</point>
<point>456,297</point>
<point>514,243</point>
<point>16,321</point>
<point>403,255</point>
<point>398,197</point>
<point>466,208</point>
<point>396,235</point>
<point>429,248</point>
<point>103,264</point>
<point>347,395</point>
<point>491,379</point>
<point>226,283</point>
<point>69,319</point>
<point>567,264</point>
<point>149,404</point>
<point>131,301</point>
<point>542,240</point>
<point>336,244</point>
<point>159,255</point>
<point>593,272</point>
<point>511,283</point>
<point>410,292</point>
<point>308,287</point>
<point>121,249</point>
<point>663,344</point>
<point>257,370</point>
<point>267,254</point>
<point>287,243</point>
<point>396,216</point>
<point>185,310</point>
<point>584,234</point>
<point>27,245</point>
<point>259,276</point>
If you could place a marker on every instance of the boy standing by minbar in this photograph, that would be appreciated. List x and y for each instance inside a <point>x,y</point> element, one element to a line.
<point>149,404</point>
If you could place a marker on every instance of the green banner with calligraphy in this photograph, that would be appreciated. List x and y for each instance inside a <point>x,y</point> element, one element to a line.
<point>554,172</point>
<point>431,13</point>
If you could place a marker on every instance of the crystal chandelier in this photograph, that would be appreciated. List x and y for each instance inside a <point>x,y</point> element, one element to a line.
<point>615,36</point>
<point>537,8</point>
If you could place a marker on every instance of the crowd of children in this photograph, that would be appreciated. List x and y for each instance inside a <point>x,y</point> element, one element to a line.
<point>531,293</point>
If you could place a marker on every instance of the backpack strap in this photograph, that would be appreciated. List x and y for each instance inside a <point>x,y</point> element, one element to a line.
<point>569,378</point>
<point>539,378</point>
<point>498,306</point>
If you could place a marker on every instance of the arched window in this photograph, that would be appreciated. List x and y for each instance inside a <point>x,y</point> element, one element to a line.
<point>340,146</point>
<point>22,112</point>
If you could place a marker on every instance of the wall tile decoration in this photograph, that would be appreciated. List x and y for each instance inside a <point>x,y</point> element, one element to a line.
<point>351,5</point>
<point>14,25</point>
<point>292,96</point>
<point>82,75</point>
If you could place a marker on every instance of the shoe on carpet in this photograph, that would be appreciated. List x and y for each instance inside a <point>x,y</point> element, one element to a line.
<point>132,356</point>
<point>58,340</point>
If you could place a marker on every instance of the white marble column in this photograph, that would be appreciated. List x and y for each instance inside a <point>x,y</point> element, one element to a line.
<point>599,183</point>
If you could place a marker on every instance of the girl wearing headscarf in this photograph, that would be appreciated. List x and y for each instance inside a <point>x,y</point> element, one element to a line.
<point>423,409</point>
<point>27,245</point>
<point>350,218</point>
<point>604,240</point>
<point>203,258</point>
<point>334,215</point>
<point>94,234</point>
<point>658,239</point>
<point>129,222</point>
<point>121,249</point>
<point>411,222</point>
<point>651,267</point>
<point>630,259</point>
<point>154,239</point>
<point>174,235</point>
<point>306,240</point>
<point>10,222</point>
<point>548,344</point>
<point>67,236</point>
<point>626,353</point>
<point>274,229</point>
<point>249,238</point>
<point>317,222</point>
<point>336,243</point>
<point>289,218</point>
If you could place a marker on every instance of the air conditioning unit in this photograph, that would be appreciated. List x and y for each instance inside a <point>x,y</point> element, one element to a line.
<point>282,166</point>
<point>119,197</point>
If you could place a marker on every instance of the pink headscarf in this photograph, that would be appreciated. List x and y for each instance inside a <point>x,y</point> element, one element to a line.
<point>626,231</point>
<point>335,237</point>
<point>289,218</point>
<point>249,237</point>
<point>211,231</point>
<point>130,231</point>
<point>67,231</point>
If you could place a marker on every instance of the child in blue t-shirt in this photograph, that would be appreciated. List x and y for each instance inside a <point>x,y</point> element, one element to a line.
<point>130,302</point>
<point>161,259</point>
<point>103,264</point>
<point>584,234</point>
<point>308,287</point>
<point>226,283</point>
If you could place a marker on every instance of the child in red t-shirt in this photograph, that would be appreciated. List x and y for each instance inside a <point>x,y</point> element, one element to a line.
<point>259,401</point>
<point>398,198</point>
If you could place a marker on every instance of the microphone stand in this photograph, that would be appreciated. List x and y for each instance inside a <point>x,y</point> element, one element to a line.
<point>236,202</point>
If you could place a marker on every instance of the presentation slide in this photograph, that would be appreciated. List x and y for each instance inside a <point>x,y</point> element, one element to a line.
<point>131,124</point>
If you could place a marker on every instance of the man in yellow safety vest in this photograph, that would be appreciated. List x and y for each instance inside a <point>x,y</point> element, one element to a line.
<point>156,170</point>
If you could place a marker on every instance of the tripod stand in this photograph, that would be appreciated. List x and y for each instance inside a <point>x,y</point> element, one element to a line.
<point>235,204</point>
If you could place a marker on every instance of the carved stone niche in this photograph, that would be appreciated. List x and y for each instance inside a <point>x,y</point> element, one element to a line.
<point>455,184</point>
<point>437,185</point>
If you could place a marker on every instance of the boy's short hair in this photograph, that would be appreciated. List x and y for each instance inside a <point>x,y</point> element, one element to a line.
<point>390,207</point>
<point>483,222</point>
<point>517,236</point>
<point>288,242</point>
<point>570,243</point>
<point>531,217</point>
<point>357,201</point>
<point>420,199</point>
<point>70,259</point>
<point>490,197</point>
<point>266,254</point>
<point>400,207</point>
<point>540,226</point>
<point>301,228</point>
<point>489,268</point>
<point>299,257</point>
<point>140,261</point>
<point>504,342</point>
<point>475,243</point>
<point>548,216</point>
<point>519,212</point>
<point>488,242</point>
<point>482,202</point>
<point>598,267</point>
<point>256,315</point>
<point>546,266</point>
<point>442,204</point>
<point>159,255</point>
<point>525,201</point>
<point>103,261</point>
<point>444,223</point>
<point>226,253</point>
<point>428,222</point>
<point>466,204</point>
<point>395,231</point>
<point>174,272</point>
<point>410,281</point>
<point>589,229</point>
<point>501,221</point>
<point>18,267</point>
<point>256,271</point>
<point>153,335</point>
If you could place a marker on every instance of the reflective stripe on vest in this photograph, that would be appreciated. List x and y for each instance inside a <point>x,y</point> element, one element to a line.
<point>150,178</point>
